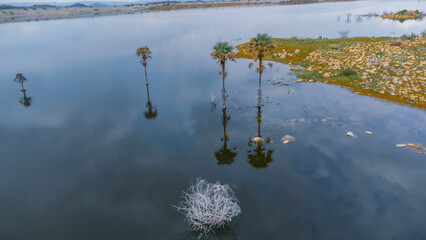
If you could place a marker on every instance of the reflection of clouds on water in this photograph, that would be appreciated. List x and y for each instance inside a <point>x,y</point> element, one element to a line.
<point>86,162</point>
<point>29,28</point>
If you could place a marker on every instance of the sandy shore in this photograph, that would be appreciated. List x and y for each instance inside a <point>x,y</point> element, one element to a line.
<point>39,13</point>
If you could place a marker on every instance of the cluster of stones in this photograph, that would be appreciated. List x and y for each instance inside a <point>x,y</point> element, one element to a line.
<point>387,69</point>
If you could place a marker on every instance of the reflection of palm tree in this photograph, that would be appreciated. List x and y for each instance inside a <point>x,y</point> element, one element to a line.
<point>20,78</point>
<point>260,46</point>
<point>151,112</point>
<point>224,155</point>
<point>258,155</point>
<point>145,53</point>
<point>223,52</point>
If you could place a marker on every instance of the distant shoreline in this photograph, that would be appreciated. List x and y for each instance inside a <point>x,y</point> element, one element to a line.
<point>11,14</point>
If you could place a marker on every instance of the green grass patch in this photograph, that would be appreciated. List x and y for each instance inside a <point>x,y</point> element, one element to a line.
<point>306,46</point>
<point>305,74</point>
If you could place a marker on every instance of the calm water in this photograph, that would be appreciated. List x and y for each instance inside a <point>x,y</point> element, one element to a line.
<point>84,162</point>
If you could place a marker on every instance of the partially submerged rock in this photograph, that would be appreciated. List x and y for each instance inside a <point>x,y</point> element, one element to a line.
<point>401,145</point>
<point>350,134</point>
<point>369,133</point>
<point>414,146</point>
<point>287,139</point>
<point>257,139</point>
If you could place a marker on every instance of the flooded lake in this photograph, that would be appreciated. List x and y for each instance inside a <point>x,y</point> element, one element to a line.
<point>84,156</point>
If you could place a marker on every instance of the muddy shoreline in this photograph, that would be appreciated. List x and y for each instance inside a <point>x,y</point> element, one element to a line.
<point>25,14</point>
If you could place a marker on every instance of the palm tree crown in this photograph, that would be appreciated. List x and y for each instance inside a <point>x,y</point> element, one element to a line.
<point>261,45</point>
<point>145,53</point>
<point>20,78</point>
<point>223,52</point>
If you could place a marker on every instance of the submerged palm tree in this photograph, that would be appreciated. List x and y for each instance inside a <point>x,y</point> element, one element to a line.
<point>260,46</point>
<point>145,53</point>
<point>224,155</point>
<point>258,155</point>
<point>223,52</point>
<point>20,78</point>
<point>26,101</point>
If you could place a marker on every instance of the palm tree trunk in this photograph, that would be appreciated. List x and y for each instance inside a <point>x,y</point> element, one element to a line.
<point>223,86</point>
<point>259,93</point>
<point>146,76</point>
<point>259,120</point>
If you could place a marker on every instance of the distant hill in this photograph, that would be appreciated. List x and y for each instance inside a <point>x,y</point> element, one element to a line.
<point>77,5</point>
<point>42,6</point>
<point>4,6</point>
<point>97,5</point>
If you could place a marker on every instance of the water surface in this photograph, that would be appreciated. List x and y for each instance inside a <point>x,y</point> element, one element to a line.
<point>84,162</point>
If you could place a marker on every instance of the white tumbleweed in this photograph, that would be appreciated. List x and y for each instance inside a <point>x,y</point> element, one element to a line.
<point>208,206</point>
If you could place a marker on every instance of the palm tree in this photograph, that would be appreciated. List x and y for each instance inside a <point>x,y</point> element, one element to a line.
<point>19,78</point>
<point>258,155</point>
<point>260,46</point>
<point>145,53</point>
<point>223,52</point>
<point>224,155</point>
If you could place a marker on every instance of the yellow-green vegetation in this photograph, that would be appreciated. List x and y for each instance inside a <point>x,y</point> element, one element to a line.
<point>403,15</point>
<point>389,68</point>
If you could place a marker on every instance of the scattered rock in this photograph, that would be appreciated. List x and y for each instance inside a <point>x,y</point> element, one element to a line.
<point>369,133</point>
<point>350,134</point>
<point>414,146</point>
<point>257,139</point>
<point>288,139</point>
<point>311,80</point>
<point>299,80</point>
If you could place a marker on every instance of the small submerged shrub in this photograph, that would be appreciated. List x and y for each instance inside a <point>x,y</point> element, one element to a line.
<point>208,206</point>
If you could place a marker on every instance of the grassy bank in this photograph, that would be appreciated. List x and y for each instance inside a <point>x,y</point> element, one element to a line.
<point>387,68</point>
